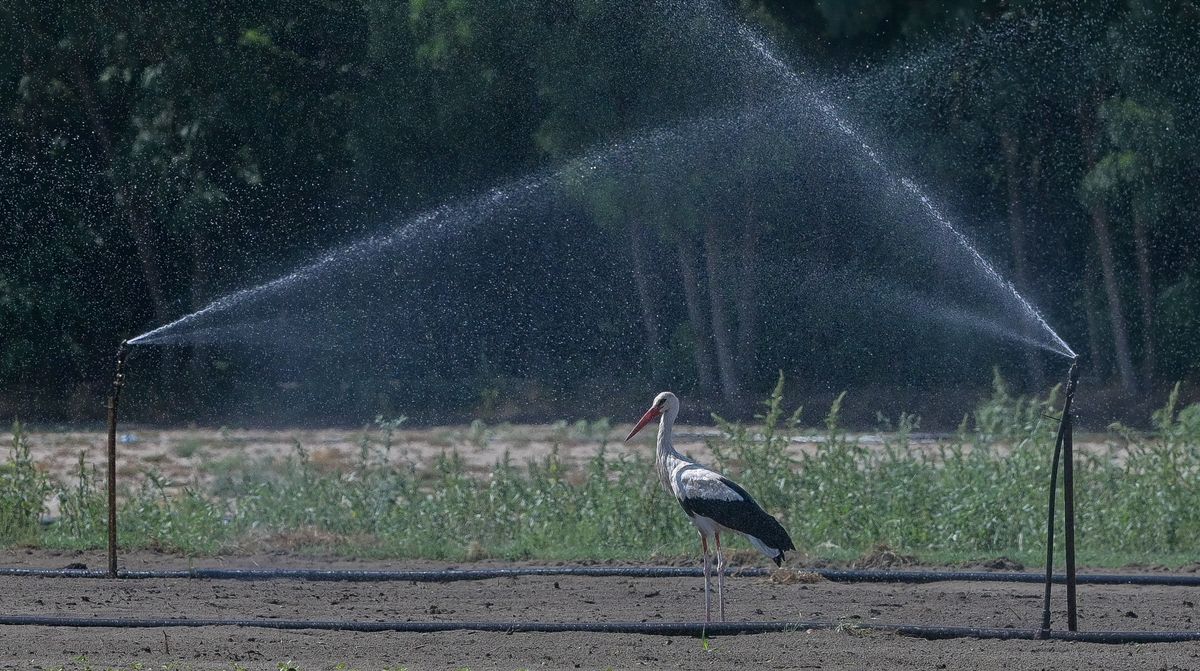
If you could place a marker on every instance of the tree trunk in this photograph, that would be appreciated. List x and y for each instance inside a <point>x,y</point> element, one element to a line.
<point>702,346</point>
<point>642,276</point>
<point>1116,313</point>
<point>201,295</point>
<point>747,301</point>
<point>1016,234</point>
<point>747,297</point>
<point>1108,265</point>
<point>127,204</point>
<point>1141,240</point>
<point>640,264</point>
<point>1095,335</point>
<point>719,312</point>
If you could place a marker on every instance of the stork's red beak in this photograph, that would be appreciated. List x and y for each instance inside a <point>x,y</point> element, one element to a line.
<point>651,414</point>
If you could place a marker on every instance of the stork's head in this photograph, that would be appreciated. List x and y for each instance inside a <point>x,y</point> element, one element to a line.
<point>664,404</point>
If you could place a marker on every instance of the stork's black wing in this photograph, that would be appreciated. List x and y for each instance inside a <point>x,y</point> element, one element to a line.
<point>704,492</point>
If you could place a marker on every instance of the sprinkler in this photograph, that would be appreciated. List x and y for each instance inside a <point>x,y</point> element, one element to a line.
<point>113,398</point>
<point>1063,445</point>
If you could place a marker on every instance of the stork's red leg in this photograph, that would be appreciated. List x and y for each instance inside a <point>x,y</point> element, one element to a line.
<point>720,575</point>
<point>707,597</point>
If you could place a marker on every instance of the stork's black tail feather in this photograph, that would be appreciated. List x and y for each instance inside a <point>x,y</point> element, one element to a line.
<point>771,533</point>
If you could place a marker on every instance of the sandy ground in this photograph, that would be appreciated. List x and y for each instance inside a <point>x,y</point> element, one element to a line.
<point>186,455</point>
<point>563,599</point>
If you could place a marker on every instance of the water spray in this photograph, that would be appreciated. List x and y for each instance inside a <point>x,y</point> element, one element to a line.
<point>113,398</point>
<point>834,119</point>
<point>1063,445</point>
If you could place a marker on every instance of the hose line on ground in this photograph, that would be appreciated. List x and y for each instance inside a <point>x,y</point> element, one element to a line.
<point>648,628</point>
<point>452,575</point>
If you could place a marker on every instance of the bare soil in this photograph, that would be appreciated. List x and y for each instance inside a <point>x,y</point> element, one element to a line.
<point>197,454</point>
<point>562,599</point>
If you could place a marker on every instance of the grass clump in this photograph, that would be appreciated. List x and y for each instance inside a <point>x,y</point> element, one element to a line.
<point>23,490</point>
<point>979,493</point>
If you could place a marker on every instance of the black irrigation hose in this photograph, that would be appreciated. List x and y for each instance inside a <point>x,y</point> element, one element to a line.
<point>452,575</point>
<point>1115,637</point>
<point>648,628</point>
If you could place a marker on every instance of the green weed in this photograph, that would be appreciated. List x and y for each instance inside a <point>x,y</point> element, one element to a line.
<point>980,493</point>
<point>23,492</point>
<point>188,447</point>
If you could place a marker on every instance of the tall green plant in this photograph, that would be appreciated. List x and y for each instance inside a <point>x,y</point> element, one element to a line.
<point>23,491</point>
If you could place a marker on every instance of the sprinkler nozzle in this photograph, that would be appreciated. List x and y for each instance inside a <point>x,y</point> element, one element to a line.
<point>122,354</point>
<point>1073,375</point>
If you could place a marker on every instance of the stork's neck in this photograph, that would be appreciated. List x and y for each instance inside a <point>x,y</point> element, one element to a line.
<point>666,455</point>
<point>665,426</point>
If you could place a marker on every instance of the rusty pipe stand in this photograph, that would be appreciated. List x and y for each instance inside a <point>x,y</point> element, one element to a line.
<point>113,398</point>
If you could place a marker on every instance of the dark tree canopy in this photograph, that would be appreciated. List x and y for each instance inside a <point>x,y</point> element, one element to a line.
<point>543,208</point>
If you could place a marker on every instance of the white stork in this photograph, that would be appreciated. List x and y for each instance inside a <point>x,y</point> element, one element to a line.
<point>712,501</point>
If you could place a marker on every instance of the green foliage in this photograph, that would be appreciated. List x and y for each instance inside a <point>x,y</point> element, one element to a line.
<point>978,493</point>
<point>593,431</point>
<point>1159,501</point>
<point>761,453</point>
<point>83,506</point>
<point>1143,145</point>
<point>542,509</point>
<point>983,492</point>
<point>23,491</point>
<point>1178,307</point>
<point>179,152</point>
<point>1012,420</point>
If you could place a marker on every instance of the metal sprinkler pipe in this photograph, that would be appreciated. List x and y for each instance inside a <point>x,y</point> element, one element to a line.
<point>1063,445</point>
<point>1068,423</point>
<point>113,398</point>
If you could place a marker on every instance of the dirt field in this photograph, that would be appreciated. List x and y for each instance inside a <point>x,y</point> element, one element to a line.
<point>560,599</point>
<point>182,453</point>
<point>186,455</point>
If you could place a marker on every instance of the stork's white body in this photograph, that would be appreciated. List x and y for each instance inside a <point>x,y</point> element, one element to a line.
<point>714,503</point>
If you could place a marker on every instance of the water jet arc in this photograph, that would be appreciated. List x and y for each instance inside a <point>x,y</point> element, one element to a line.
<point>832,117</point>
